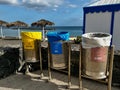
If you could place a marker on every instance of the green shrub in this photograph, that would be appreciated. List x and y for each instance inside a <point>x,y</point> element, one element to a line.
<point>78,39</point>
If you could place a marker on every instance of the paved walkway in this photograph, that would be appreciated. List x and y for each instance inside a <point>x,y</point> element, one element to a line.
<point>59,81</point>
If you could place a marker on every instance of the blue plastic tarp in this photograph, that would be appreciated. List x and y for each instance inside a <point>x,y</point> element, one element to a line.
<point>56,36</point>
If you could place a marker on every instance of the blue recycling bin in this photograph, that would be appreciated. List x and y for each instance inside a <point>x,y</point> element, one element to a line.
<point>55,38</point>
<point>58,49</point>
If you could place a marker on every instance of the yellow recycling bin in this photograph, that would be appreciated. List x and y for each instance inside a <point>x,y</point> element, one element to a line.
<point>30,47</point>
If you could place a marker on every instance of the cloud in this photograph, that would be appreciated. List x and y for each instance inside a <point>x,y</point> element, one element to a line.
<point>9,2</point>
<point>54,9</point>
<point>35,4</point>
<point>42,4</point>
<point>72,5</point>
<point>56,6</point>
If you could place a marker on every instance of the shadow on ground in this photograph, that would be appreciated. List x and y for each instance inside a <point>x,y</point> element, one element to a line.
<point>58,82</point>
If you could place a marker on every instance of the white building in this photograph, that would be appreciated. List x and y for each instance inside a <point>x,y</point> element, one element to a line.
<point>103,16</point>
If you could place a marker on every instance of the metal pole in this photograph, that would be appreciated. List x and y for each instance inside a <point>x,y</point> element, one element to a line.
<point>18,33</point>
<point>43,32</point>
<point>1,31</point>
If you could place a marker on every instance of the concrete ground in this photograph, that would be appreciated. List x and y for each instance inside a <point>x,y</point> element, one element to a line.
<point>58,82</point>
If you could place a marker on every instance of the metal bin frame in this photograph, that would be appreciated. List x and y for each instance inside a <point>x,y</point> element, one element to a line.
<point>61,70</point>
<point>27,72</point>
<point>108,79</point>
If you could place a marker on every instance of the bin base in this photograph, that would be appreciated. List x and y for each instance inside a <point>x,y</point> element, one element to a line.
<point>95,75</point>
<point>33,61</point>
<point>58,67</point>
<point>58,61</point>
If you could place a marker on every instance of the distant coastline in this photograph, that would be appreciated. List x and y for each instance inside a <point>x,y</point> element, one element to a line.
<point>47,27</point>
<point>73,30</point>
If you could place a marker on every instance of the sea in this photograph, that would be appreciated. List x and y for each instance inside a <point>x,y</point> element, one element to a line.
<point>72,30</point>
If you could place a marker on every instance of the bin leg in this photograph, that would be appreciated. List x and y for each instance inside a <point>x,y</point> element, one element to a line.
<point>69,63</point>
<point>80,78</point>
<point>110,67</point>
<point>27,68</point>
<point>27,72</point>
<point>49,66</point>
<point>41,70</point>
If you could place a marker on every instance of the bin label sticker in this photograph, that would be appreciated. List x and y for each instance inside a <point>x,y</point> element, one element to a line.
<point>29,45</point>
<point>99,54</point>
<point>56,47</point>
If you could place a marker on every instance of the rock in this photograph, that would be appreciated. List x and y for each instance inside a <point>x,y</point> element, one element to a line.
<point>9,61</point>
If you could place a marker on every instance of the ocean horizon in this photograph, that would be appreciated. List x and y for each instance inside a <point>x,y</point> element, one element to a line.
<point>73,30</point>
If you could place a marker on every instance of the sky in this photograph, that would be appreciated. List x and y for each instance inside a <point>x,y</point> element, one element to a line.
<point>61,12</point>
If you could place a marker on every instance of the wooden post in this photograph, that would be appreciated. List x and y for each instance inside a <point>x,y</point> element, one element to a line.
<point>80,68</point>
<point>40,57</point>
<point>110,67</point>
<point>69,65</point>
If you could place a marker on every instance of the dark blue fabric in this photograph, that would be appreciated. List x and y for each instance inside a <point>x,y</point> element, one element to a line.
<point>56,47</point>
<point>102,8</point>
<point>112,26</point>
<point>84,19</point>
